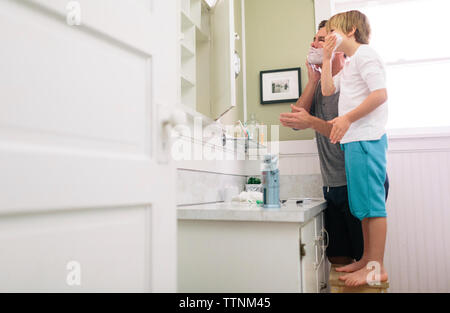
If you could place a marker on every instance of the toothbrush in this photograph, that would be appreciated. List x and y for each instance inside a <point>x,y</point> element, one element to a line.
<point>243,128</point>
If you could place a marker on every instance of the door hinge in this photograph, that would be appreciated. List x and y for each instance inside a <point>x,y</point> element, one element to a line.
<point>302,250</point>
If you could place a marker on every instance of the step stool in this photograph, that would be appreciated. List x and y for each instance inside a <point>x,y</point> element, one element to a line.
<point>338,286</point>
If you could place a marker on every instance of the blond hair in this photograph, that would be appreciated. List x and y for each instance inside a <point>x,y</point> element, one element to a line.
<point>346,21</point>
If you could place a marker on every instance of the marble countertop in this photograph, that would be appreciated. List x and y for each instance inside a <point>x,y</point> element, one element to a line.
<point>246,212</point>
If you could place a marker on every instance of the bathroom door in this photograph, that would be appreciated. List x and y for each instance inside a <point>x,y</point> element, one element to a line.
<point>87,196</point>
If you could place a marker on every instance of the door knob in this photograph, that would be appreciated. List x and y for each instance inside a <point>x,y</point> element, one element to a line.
<point>172,117</point>
<point>169,118</point>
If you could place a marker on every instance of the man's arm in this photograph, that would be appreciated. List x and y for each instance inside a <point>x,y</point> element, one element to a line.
<point>307,96</point>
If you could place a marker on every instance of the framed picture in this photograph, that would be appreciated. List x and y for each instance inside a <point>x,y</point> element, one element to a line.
<point>277,86</point>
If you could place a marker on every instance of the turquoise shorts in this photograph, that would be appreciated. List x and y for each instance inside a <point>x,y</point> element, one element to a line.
<point>365,167</point>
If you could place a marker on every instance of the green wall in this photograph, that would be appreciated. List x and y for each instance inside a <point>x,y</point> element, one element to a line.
<point>278,35</point>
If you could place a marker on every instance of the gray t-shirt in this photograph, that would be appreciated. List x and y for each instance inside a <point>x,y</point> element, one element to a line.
<point>332,161</point>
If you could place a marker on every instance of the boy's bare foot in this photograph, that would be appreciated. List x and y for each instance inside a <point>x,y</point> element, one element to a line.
<point>360,278</point>
<point>353,267</point>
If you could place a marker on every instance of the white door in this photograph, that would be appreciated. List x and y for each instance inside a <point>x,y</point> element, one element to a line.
<point>87,202</point>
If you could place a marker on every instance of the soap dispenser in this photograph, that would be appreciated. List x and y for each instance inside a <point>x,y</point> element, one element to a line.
<point>271,182</point>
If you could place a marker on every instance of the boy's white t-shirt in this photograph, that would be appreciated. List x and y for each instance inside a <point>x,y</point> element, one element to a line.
<point>362,74</point>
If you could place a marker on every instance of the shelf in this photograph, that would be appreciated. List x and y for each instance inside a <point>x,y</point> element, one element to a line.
<point>185,6</point>
<point>186,82</point>
<point>186,52</point>
<point>186,21</point>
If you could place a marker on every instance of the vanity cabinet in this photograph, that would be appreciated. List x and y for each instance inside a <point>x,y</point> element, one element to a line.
<point>207,56</point>
<point>270,255</point>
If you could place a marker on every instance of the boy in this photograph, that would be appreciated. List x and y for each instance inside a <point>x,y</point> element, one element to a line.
<point>360,128</point>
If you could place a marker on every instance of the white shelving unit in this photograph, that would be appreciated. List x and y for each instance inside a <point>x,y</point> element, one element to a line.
<point>207,48</point>
<point>194,45</point>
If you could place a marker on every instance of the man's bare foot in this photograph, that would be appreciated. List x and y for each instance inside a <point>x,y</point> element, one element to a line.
<point>360,277</point>
<point>353,267</point>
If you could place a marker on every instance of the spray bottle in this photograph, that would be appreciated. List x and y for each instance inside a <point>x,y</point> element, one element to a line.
<point>271,182</point>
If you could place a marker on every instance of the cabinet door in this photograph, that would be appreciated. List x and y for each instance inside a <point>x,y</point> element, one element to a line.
<point>308,260</point>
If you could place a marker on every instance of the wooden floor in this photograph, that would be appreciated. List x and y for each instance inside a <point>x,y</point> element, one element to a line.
<point>338,286</point>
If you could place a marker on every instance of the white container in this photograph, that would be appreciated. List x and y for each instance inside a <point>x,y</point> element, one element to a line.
<point>229,192</point>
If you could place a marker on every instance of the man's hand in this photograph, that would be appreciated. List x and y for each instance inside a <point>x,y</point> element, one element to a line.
<point>340,126</point>
<point>328,47</point>
<point>298,119</point>
<point>313,75</point>
<point>295,108</point>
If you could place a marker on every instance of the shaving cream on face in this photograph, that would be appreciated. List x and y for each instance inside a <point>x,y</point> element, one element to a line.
<point>338,39</point>
<point>315,56</point>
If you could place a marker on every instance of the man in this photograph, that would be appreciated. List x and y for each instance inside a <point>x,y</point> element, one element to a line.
<point>345,232</point>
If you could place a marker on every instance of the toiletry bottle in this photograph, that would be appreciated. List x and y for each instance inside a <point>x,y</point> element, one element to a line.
<point>253,129</point>
<point>238,133</point>
<point>262,134</point>
<point>271,182</point>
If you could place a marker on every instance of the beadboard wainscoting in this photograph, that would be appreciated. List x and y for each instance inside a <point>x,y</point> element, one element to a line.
<point>299,169</point>
<point>418,242</point>
<point>298,157</point>
<point>417,255</point>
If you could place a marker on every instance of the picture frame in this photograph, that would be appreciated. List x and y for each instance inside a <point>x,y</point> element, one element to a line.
<point>279,86</point>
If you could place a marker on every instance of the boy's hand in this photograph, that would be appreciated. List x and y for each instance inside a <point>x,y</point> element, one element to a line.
<point>328,47</point>
<point>340,126</point>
